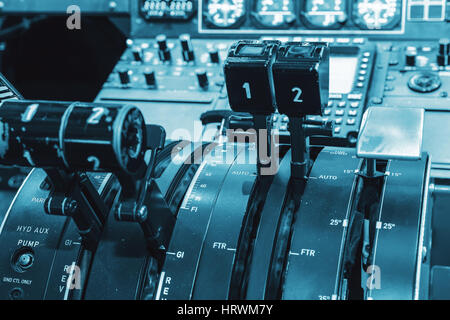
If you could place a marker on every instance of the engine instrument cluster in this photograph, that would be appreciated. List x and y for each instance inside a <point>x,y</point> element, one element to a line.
<point>296,17</point>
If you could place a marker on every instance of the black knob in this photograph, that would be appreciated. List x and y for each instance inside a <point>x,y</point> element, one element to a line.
<point>444,51</point>
<point>161,39</point>
<point>202,78</point>
<point>410,56</point>
<point>150,77</point>
<point>163,49</point>
<point>124,76</point>
<point>214,55</point>
<point>187,48</point>
<point>137,53</point>
<point>165,55</point>
<point>444,46</point>
<point>186,43</point>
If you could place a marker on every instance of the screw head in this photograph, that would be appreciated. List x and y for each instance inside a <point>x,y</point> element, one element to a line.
<point>71,207</point>
<point>424,254</point>
<point>142,213</point>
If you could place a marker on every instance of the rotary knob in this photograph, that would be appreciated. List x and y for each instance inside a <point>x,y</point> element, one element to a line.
<point>424,82</point>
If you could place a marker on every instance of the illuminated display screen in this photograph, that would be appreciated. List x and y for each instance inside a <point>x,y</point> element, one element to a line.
<point>167,9</point>
<point>342,73</point>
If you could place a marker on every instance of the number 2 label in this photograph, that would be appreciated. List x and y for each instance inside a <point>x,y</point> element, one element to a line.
<point>96,115</point>
<point>298,94</point>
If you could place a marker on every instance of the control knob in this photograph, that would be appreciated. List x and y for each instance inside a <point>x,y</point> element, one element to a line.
<point>137,53</point>
<point>163,49</point>
<point>150,77</point>
<point>410,56</point>
<point>214,55</point>
<point>202,78</point>
<point>444,51</point>
<point>187,48</point>
<point>124,76</point>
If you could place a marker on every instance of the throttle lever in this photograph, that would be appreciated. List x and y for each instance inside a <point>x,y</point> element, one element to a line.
<point>214,116</point>
<point>229,119</point>
<point>301,81</point>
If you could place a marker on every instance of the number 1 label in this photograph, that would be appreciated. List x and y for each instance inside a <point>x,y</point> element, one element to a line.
<point>248,93</point>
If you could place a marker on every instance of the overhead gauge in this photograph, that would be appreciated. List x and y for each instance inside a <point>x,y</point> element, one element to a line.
<point>274,13</point>
<point>377,14</point>
<point>225,13</point>
<point>324,14</point>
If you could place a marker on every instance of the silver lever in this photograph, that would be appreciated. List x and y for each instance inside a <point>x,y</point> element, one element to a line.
<point>391,133</point>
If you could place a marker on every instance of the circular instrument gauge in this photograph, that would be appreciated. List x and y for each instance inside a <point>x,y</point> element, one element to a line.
<point>274,13</point>
<point>324,14</point>
<point>377,14</point>
<point>225,13</point>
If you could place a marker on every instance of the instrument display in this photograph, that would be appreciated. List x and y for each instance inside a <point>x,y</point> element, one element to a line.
<point>167,9</point>
<point>377,14</point>
<point>274,13</point>
<point>302,17</point>
<point>225,13</point>
<point>343,69</point>
<point>324,13</point>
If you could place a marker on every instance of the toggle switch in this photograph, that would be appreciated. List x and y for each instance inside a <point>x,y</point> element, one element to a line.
<point>202,78</point>
<point>137,53</point>
<point>214,55</point>
<point>410,57</point>
<point>124,76</point>
<point>163,49</point>
<point>150,77</point>
<point>443,53</point>
<point>187,49</point>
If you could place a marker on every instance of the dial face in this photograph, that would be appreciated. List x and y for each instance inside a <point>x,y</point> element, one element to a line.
<point>225,13</point>
<point>377,14</point>
<point>274,13</point>
<point>325,13</point>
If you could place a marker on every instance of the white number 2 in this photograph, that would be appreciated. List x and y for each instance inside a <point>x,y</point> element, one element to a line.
<point>246,86</point>
<point>298,95</point>
<point>96,115</point>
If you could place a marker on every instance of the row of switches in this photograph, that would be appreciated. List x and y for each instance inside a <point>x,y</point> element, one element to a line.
<point>150,77</point>
<point>442,58</point>
<point>187,50</point>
